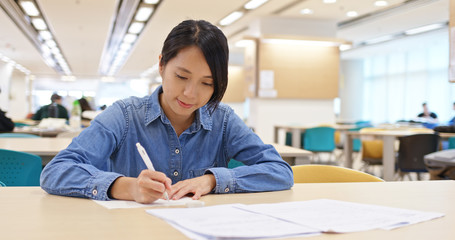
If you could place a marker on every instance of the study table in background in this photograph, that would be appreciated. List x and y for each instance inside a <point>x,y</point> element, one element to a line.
<point>388,152</point>
<point>33,214</point>
<point>297,130</point>
<point>47,148</point>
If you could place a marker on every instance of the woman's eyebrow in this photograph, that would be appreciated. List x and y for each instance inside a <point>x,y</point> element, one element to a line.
<point>188,71</point>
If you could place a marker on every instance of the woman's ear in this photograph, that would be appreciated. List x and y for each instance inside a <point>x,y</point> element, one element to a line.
<point>161,67</point>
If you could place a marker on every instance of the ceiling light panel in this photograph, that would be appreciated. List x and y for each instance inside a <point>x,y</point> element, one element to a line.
<point>28,17</point>
<point>29,8</point>
<point>253,4</point>
<point>234,16</point>
<point>131,18</point>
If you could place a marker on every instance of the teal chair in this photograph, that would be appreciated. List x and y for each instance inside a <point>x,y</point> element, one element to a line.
<point>18,135</point>
<point>19,124</point>
<point>234,163</point>
<point>319,140</point>
<point>19,168</point>
<point>451,143</point>
<point>288,141</point>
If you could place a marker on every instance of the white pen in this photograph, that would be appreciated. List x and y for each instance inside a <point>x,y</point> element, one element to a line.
<point>148,162</point>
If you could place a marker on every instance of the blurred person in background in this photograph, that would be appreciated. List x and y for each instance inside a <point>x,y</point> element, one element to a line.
<point>53,110</point>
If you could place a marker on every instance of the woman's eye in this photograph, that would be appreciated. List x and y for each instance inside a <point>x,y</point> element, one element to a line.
<point>207,84</point>
<point>180,77</point>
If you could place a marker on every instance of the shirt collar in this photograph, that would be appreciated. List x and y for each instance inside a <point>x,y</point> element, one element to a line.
<point>154,111</point>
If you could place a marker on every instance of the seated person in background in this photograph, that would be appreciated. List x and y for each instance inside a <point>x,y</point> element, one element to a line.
<point>54,110</point>
<point>430,116</point>
<point>452,121</point>
<point>85,106</point>
<point>6,124</point>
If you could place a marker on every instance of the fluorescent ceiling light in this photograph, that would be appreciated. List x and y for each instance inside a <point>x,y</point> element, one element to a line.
<point>46,35</point>
<point>306,11</point>
<point>143,14</point>
<point>344,47</point>
<point>29,8</point>
<point>231,18</point>
<point>301,42</point>
<point>379,39</point>
<point>329,1</point>
<point>68,78</point>
<point>51,44</point>
<point>254,4</point>
<point>151,1</point>
<point>352,14</point>
<point>130,38</point>
<point>381,3</point>
<point>39,24</point>
<point>136,27</point>
<point>107,79</point>
<point>125,46</point>
<point>423,29</point>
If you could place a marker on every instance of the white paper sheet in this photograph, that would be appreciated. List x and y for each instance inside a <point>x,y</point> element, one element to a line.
<point>228,221</point>
<point>288,219</point>
<point>338,216</point>
<point>131,204</point>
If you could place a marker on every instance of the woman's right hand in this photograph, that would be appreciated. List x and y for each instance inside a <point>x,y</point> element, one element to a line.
<point>146,188</point>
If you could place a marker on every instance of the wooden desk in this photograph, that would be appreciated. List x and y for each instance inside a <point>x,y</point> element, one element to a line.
<point>297,130</point>
<point>292,154</point>
<point>38,131</point>
<point>46,148</point>
<point>30,213</point>
<point>388,152</point>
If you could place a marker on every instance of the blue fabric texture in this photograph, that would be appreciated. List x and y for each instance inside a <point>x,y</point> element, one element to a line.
<point>107,150</point>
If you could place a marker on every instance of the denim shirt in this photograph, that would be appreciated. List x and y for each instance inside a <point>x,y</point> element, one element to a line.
<point>107,150</point>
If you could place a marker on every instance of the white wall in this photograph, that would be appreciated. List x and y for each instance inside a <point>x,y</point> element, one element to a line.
<point>18,104</point>
<point>6,70</point>
<point>266,113</point>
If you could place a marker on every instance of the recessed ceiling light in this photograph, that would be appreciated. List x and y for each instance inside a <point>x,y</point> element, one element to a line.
<point>231,18</point>
<point>306,11</point>
<point>136,27</point>
<point>143,14</point>
<point>329,1</point>
<point>381,3</point>
<point>253,4</point>
<point>39,24</point>
<point>151,1</point>
<point>352,14</point>
<point>29,8</point>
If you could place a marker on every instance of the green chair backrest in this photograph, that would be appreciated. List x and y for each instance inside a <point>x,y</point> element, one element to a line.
<point>289,139</point>
<point>356,143</point>
<point>319,139</point>
<point>234,163</point>
<point>451,142</point>
<point>19,168</point>
<point>17,135</point>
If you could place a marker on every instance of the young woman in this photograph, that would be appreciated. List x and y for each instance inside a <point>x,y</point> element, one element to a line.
<point>189,135</point>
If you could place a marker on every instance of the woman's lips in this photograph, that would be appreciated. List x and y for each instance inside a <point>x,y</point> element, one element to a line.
<point>184,105</point>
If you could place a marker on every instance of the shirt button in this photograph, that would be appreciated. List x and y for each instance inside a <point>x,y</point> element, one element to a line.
<point>94,192</point>
<point>176,173</point>
<point>226,189</point>
<point>177,151</point>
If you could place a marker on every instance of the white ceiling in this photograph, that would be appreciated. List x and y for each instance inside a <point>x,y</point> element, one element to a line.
<point>81,27</point>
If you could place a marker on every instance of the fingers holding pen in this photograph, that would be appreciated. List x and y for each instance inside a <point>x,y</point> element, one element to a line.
<point>152,185</point>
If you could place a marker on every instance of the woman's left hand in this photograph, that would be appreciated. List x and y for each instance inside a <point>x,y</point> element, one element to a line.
<point>198,186</point>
